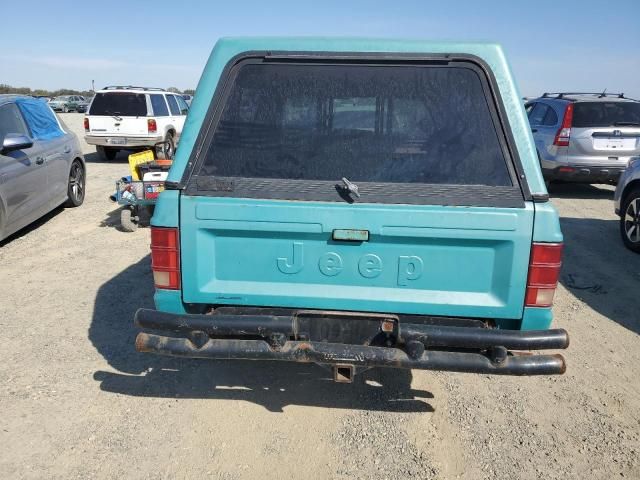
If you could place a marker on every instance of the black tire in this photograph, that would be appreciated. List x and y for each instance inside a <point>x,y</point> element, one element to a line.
<point>630,220</point>
<point>168,148</point>
<point>76,185</point>
<point>107,153</point>
<point>128,221</point>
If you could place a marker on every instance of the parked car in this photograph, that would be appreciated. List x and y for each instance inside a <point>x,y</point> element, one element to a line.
<point>41,163</point>
<point>627,205</point>
<point>187,98</point>
<point>585,137</point>
<point>126,117</point>
<point>66,103</point>
<point>83,105</point>
<point>356,203</point>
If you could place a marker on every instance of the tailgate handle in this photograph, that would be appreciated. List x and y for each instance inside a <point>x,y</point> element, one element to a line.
<point>350,235</point>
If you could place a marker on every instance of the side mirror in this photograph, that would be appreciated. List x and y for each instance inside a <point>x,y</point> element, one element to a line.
<point>15,141</point>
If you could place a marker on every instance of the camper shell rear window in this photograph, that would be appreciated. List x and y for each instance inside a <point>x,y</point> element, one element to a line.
<point>397,130</point>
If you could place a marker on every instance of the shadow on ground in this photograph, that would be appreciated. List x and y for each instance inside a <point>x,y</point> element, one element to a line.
<point>112,219</point>
<point>600,271</point>
<point>580,190</point>
<point>121,157</point>
<point>32,226</point>
<point>273,385</point>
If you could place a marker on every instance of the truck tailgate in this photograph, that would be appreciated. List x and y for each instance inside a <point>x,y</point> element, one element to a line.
<point>437,260</point>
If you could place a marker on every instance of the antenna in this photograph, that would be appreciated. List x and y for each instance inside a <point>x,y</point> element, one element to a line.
<point>603,94</point>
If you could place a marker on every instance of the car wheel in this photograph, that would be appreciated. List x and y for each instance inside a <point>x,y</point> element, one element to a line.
<point>76,185</point>
<point>167,149</point>
<point>65,109</point>
<point>107,153</point>
<point>128,221</point>
<point>630,220</point>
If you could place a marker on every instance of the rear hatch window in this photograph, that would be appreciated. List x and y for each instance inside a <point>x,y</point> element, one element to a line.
<point>119,103</point>
<point>606,114</point>
<point>392,129</point>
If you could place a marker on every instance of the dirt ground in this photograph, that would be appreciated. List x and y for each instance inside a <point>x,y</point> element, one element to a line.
<point>76,400</point>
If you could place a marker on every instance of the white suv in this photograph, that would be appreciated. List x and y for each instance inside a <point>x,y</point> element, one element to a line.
<point>132,118</point>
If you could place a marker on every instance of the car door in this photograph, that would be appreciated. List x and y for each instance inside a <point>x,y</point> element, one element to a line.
<point>536,120</point>
<point>547,130</point>
<point>23,175</point>
<point>184,110</point>
<point>56,148</point>
<point>58,159</point>
<point>58,154</point>
<point>177,119</point>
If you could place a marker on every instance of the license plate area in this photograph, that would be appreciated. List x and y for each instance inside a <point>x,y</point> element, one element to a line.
<point>614,143</point>
<point>118,141</point>
<point>347,327</point>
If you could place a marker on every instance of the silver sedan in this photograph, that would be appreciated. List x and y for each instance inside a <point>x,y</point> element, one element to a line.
<point>41,163</point>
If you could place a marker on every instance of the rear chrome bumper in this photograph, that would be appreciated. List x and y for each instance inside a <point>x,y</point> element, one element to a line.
<point>130,142</point>
<point>416,346</point>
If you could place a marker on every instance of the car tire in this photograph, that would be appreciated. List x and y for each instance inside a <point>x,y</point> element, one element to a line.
<point>630,220</point>
<point>76,185</point>
<point>65,109</point>
<point>107,153</point>
<point>168,149</point>
<point>128,221</point>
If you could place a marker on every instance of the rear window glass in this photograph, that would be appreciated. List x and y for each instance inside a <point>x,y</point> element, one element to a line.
<point>395,124</point>
<point>605,114</point>
<point>119,103</point>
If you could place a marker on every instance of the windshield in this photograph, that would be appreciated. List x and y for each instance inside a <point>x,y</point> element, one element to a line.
<point>606,114</point>
<point>61,98</point>
<point>119,103</point>
<point>397,124</point>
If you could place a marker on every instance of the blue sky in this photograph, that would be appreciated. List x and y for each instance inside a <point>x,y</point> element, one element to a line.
<point>552,45</point>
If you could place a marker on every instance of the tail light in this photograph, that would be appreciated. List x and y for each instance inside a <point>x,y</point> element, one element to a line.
<point>86,124</point>
<point>544,270</point>
<point>564,134</point>
<point>165,258</point>
<point>152,126</point>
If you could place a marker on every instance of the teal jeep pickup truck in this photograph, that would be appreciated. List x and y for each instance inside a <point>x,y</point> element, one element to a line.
<point>356,203</point>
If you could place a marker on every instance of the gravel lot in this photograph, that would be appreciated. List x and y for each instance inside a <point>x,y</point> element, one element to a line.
<point>78,402</point>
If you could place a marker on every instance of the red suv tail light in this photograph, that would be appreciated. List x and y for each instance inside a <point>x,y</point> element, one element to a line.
<point>544,270</point>
<point>165,258</point>
<point>152,126</point>
<point>564,134</point>
<point>86,124</point>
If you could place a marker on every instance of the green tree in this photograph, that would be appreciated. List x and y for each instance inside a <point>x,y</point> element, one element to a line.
<point>4,88</point>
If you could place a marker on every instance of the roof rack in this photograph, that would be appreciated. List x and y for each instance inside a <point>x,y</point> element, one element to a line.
<point>131,87</point>
<point>598,94</point>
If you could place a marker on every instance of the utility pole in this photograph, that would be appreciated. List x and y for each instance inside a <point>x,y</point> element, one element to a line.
<point>93,86</point>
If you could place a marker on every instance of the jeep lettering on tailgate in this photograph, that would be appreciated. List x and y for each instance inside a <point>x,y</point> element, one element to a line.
<point>380,212</point>
<point>409,267</point>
